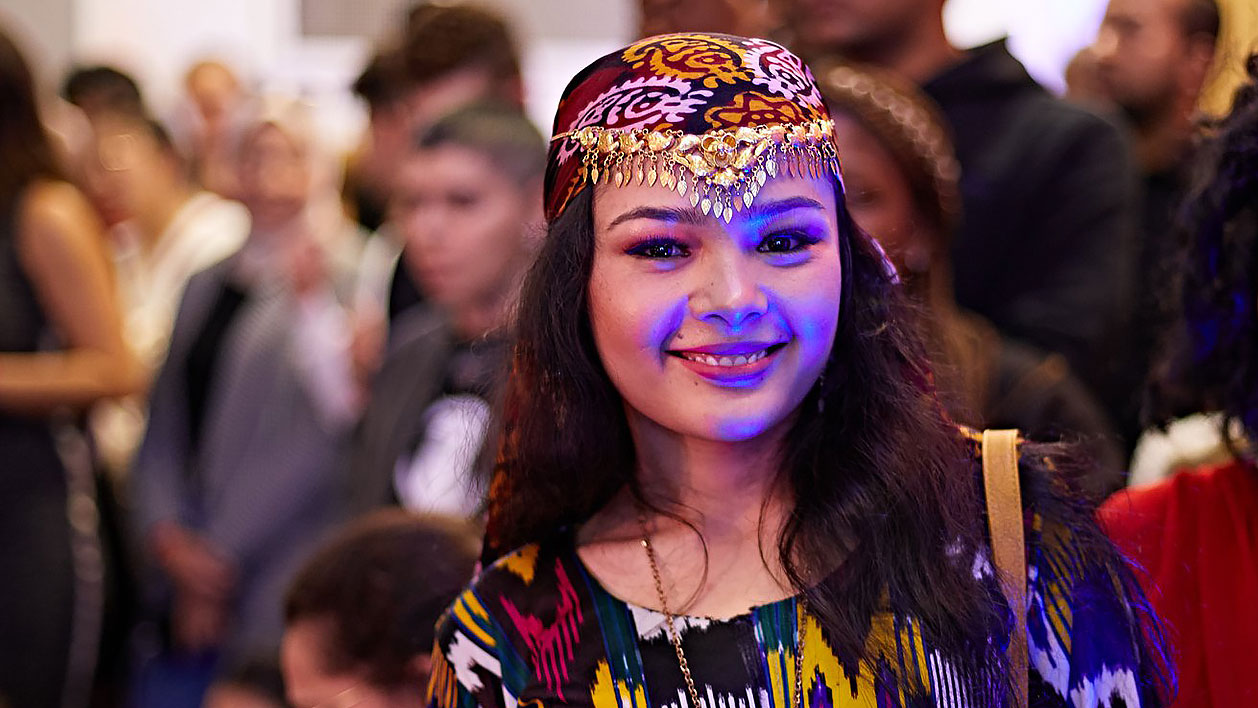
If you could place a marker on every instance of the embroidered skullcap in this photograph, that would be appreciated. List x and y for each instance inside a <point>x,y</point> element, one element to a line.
<point>711,116</point>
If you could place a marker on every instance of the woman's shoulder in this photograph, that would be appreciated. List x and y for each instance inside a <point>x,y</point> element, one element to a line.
<point>1084,612</point>
<point>49,206</point>
<point>527,604</point>
<point>534,582</point>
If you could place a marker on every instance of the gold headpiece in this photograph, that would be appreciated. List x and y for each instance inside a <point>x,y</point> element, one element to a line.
<point>721,170</point>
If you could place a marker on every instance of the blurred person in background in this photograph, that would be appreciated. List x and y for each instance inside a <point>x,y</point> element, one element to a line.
<point>1083,82</point>
<point>256,682</point>
<point>381,87</point>
<point>1045,246</point>
<point>447,56</point>
<point>360,614</point>
<point>98,89</point>
<point>165,230</point>
<point>746,18</point>
<point>1196,534</point>
<point>236,478</point>
<point>61,351</point>
<point>901,175</point>
<point>467,204</point>
<point>213,105</point>
<point>1152,59</point>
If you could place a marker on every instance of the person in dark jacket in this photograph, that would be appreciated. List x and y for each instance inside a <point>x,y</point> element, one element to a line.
<point>1045,248</point>
<point>901,178</point>
<point>468,198</point>
<point>1152,59</point>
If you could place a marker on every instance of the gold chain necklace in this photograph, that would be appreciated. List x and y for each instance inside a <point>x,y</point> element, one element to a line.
<point>675,638</point>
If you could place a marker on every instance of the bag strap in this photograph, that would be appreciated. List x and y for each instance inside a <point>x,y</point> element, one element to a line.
<point>1004,520</point>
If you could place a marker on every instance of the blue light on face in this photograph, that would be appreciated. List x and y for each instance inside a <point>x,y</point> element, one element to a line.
<point>742,428</point>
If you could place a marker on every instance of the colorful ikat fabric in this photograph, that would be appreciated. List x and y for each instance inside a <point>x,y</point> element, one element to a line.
<point>537,630</point>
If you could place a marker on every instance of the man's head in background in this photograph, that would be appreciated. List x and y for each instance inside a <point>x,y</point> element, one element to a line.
<point>360,615</point>
<point>102,89</point>
<point>1153,56</point>
<point>446,57</point>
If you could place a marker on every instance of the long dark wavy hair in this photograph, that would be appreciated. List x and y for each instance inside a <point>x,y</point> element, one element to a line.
<point>1213,348</point>
<point>26,153</point>
<point>884,484</point>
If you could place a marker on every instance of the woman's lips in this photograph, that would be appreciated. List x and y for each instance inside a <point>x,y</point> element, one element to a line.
<point>739,363</point>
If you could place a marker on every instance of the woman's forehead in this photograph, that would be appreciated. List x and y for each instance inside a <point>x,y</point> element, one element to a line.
<point>615,205</point>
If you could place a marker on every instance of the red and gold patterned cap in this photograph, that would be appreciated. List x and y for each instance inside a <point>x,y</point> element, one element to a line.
<point>711,116</point>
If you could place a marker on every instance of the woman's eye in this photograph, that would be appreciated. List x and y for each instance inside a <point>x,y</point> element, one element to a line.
<point>785,243</point>
<point>659,249</point>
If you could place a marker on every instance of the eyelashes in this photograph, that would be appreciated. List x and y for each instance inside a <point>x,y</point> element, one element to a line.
<point>787,242</point>
<point>658,248</point>
<point>776,243</point>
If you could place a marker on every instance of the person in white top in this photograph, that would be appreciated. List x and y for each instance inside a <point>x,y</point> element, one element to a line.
<point>164,228</point>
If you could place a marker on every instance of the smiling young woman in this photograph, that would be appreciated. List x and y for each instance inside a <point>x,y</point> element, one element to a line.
<point>723,469</point>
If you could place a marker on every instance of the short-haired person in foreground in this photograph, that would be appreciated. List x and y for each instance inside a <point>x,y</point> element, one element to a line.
<point>360,613</point>
<point>723,473</point>
<point>1195,533</point>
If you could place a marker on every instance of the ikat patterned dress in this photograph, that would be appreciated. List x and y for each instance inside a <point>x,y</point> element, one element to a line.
<point>536,629</point>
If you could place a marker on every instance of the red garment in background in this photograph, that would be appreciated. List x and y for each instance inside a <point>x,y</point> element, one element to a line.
<point>1194,538</point>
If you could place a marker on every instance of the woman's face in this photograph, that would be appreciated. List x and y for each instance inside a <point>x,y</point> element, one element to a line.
<point>879,196</point>
<point>715,330</point>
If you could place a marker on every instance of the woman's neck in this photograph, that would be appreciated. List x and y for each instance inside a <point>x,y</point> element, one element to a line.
<point>725,489</point>
<point>716,514</point>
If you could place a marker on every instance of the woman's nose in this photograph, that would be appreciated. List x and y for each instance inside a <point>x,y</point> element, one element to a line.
<point>728,291</point>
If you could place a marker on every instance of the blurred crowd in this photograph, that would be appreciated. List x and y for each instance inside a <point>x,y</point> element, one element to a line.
<point>222,345</point>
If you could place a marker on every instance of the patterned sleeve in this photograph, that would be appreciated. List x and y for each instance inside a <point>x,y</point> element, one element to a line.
<point>1084,636</point>
<point>473,665</point>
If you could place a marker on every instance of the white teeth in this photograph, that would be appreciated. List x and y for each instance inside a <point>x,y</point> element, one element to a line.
<point>737,360</point>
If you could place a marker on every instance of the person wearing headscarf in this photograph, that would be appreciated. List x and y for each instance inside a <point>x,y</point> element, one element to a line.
<point>724,478</point>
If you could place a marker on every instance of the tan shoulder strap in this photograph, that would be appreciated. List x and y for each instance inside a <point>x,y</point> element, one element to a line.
<point>1004,520</point>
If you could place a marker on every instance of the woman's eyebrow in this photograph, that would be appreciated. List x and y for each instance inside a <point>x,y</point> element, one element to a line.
<point>679,215</point>
<point>693,216</point>
<point>765,210</point>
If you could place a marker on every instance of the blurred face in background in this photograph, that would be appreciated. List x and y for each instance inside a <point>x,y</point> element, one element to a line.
<point>465,223</point>
<point>880,197</point>
<point>127,168</point>
<point>851,26</point>
<point>1144,60</point>
<point>215,92</point>
<point>274,175</point>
